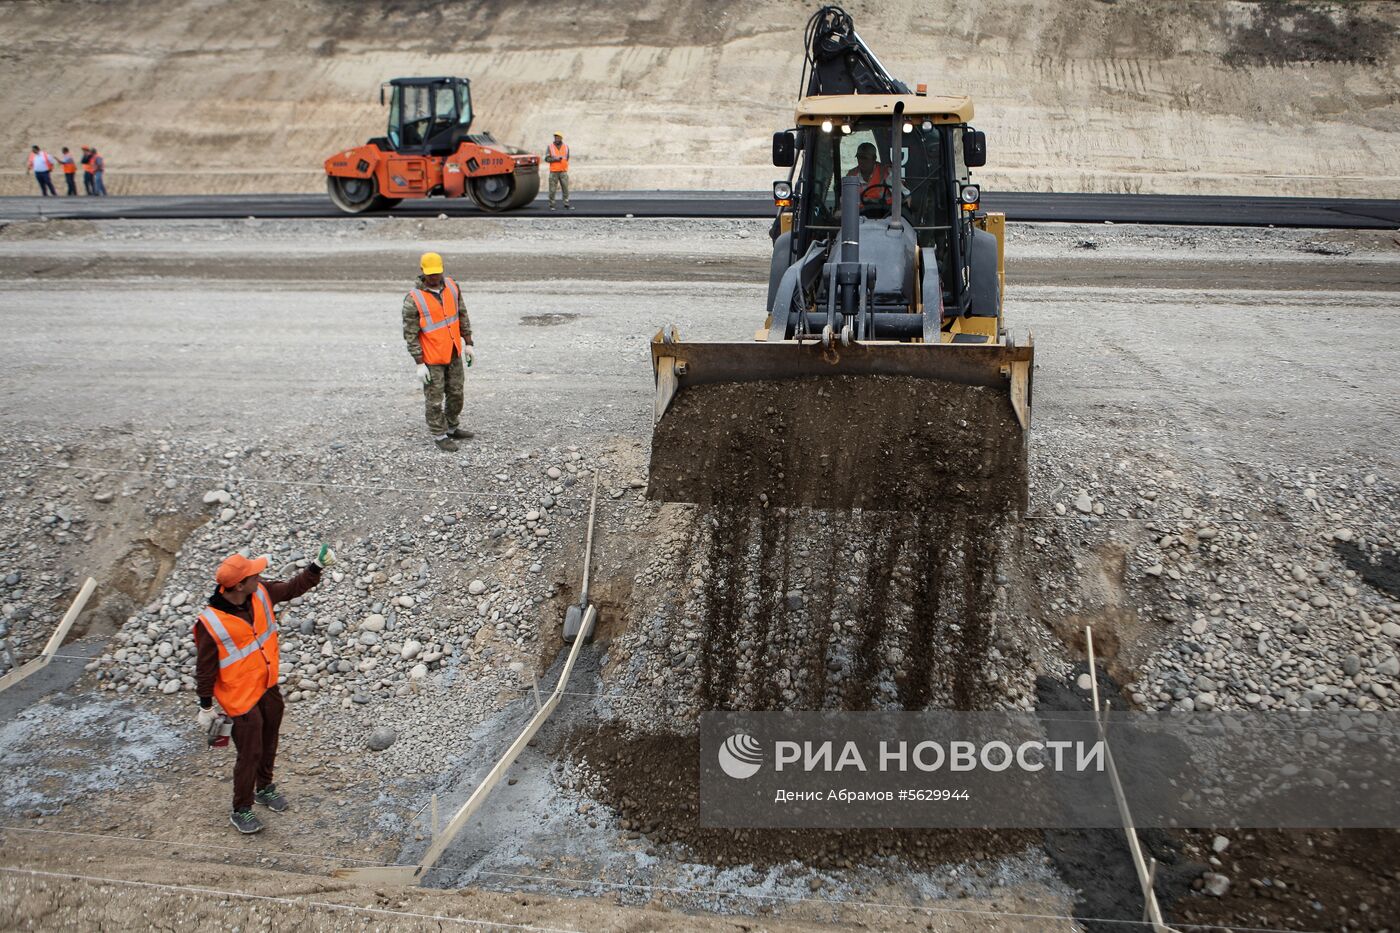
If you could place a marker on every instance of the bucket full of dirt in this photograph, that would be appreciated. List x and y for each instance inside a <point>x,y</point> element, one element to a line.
<point>848,441</point>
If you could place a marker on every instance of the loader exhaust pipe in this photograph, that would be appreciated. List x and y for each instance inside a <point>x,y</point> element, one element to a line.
<point>896,178</point>
<point>850,218</point>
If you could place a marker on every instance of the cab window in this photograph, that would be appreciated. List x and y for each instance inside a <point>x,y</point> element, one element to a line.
<point>445,101</point>
<point>395,139</point>
<point>838,155</point>
<point>417,114</point>
<point>464,104</point>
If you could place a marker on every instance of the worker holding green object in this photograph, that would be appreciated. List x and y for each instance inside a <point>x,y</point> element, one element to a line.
<point>237,660</point>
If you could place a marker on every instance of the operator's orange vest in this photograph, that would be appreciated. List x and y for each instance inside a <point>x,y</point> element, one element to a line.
<point>561,155</point>
<point>439,332</point>
<point>247,653</point>
<point>68,167</point>
<point>872,189</point>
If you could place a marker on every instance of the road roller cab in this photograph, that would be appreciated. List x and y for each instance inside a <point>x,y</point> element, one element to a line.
<point>428,149</point>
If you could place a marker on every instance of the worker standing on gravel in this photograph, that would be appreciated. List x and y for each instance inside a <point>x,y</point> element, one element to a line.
<point>98,166</point>
<point>557,155</point>
<point>70,171</point>
<point>86,159</point>
<point>236,643</point>
<point>439,337</point>
<point>41,164</point>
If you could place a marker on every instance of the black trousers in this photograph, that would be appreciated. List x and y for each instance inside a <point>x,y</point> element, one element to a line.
<point>72,187</point>
<point>255,735</point>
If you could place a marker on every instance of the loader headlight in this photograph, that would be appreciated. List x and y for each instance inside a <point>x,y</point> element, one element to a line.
<point>826,126</point>
<point>782,193</point>
<point>846,128</point>
<point>970,195</point>
<point>908,127</point>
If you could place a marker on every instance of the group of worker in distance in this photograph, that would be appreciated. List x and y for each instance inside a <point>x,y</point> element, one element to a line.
<point>43,165</point>
<point>235,635</point>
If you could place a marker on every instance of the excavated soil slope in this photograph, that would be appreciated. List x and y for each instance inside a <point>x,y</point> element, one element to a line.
<point>1167,96</point>
<point>887,597</point>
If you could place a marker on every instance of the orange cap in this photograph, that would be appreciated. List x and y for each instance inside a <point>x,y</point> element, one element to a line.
<point>236,568</point>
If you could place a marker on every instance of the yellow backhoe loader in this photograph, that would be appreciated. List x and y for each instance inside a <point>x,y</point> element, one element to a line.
<point>883,376</point>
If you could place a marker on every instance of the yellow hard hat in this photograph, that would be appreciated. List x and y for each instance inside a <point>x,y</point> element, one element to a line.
<point>431,264</point>
<point>559,134</point>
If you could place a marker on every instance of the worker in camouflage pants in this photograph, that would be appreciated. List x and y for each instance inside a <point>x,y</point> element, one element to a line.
<point>557,155</point>
<point>439,337</point>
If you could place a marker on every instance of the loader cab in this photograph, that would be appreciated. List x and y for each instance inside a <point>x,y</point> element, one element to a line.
<point>927,173</point>
<point>427,116</point>
<point>934,162</point>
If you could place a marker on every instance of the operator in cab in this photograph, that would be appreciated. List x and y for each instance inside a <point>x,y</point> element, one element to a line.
<point>875,174</point>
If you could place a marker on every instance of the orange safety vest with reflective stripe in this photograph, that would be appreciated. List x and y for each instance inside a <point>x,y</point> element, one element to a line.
<point>561,155</point>
<point>872,191</point>
<point>247,653</point>
<point>439,333</point>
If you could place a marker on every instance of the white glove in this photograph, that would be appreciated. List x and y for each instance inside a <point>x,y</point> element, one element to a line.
<point>424,373</point>
<point>468,353</point>
<point>325,557</point>
<point>207,717</point>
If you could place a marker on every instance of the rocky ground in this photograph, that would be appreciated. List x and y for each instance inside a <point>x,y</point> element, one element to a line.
<point>1212,487</point>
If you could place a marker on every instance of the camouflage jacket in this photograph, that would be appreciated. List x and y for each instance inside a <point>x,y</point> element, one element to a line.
<point>411,320</point>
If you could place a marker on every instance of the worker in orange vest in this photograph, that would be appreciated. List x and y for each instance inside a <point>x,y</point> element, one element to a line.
<point>70,171</point>
<point>237,664</point>
<point>88,187</point>
<point>41,164</point>
<point>439,337</point>
<point>876,189</point>
<point>98,166</point>
<point>557,155</point>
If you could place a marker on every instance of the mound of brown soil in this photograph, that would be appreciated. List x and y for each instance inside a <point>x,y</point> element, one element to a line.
<point>842,442</point>
<point>653,783</point>
<point>1302,880</point>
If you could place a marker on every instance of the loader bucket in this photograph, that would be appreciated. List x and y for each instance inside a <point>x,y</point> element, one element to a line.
<point>875,425</point>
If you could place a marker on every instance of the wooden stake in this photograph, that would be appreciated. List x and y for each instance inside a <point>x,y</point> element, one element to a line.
<point>35,665</point>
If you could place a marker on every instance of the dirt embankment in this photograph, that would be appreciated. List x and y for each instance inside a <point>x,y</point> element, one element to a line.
<point>183,96</point>
<point>892,604</point>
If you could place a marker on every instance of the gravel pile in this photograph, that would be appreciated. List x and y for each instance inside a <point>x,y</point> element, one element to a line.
<point>428,596</point>
<point>52,521</point>
<point>1265,593</point>
<point>1277,591</point>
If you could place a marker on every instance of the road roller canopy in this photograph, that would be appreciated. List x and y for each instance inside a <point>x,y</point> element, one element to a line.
<point>429,115</point>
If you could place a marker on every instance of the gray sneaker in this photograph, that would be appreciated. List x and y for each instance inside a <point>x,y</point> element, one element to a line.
<point>271,798</point>
<point>245,822</point>
<point>446,443</point>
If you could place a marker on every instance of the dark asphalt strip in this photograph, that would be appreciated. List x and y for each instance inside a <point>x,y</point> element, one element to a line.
<point>1083,270</point>
<point>1063,207</point>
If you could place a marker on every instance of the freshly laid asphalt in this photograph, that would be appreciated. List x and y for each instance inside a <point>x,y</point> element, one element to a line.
<point>1204,210</point>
